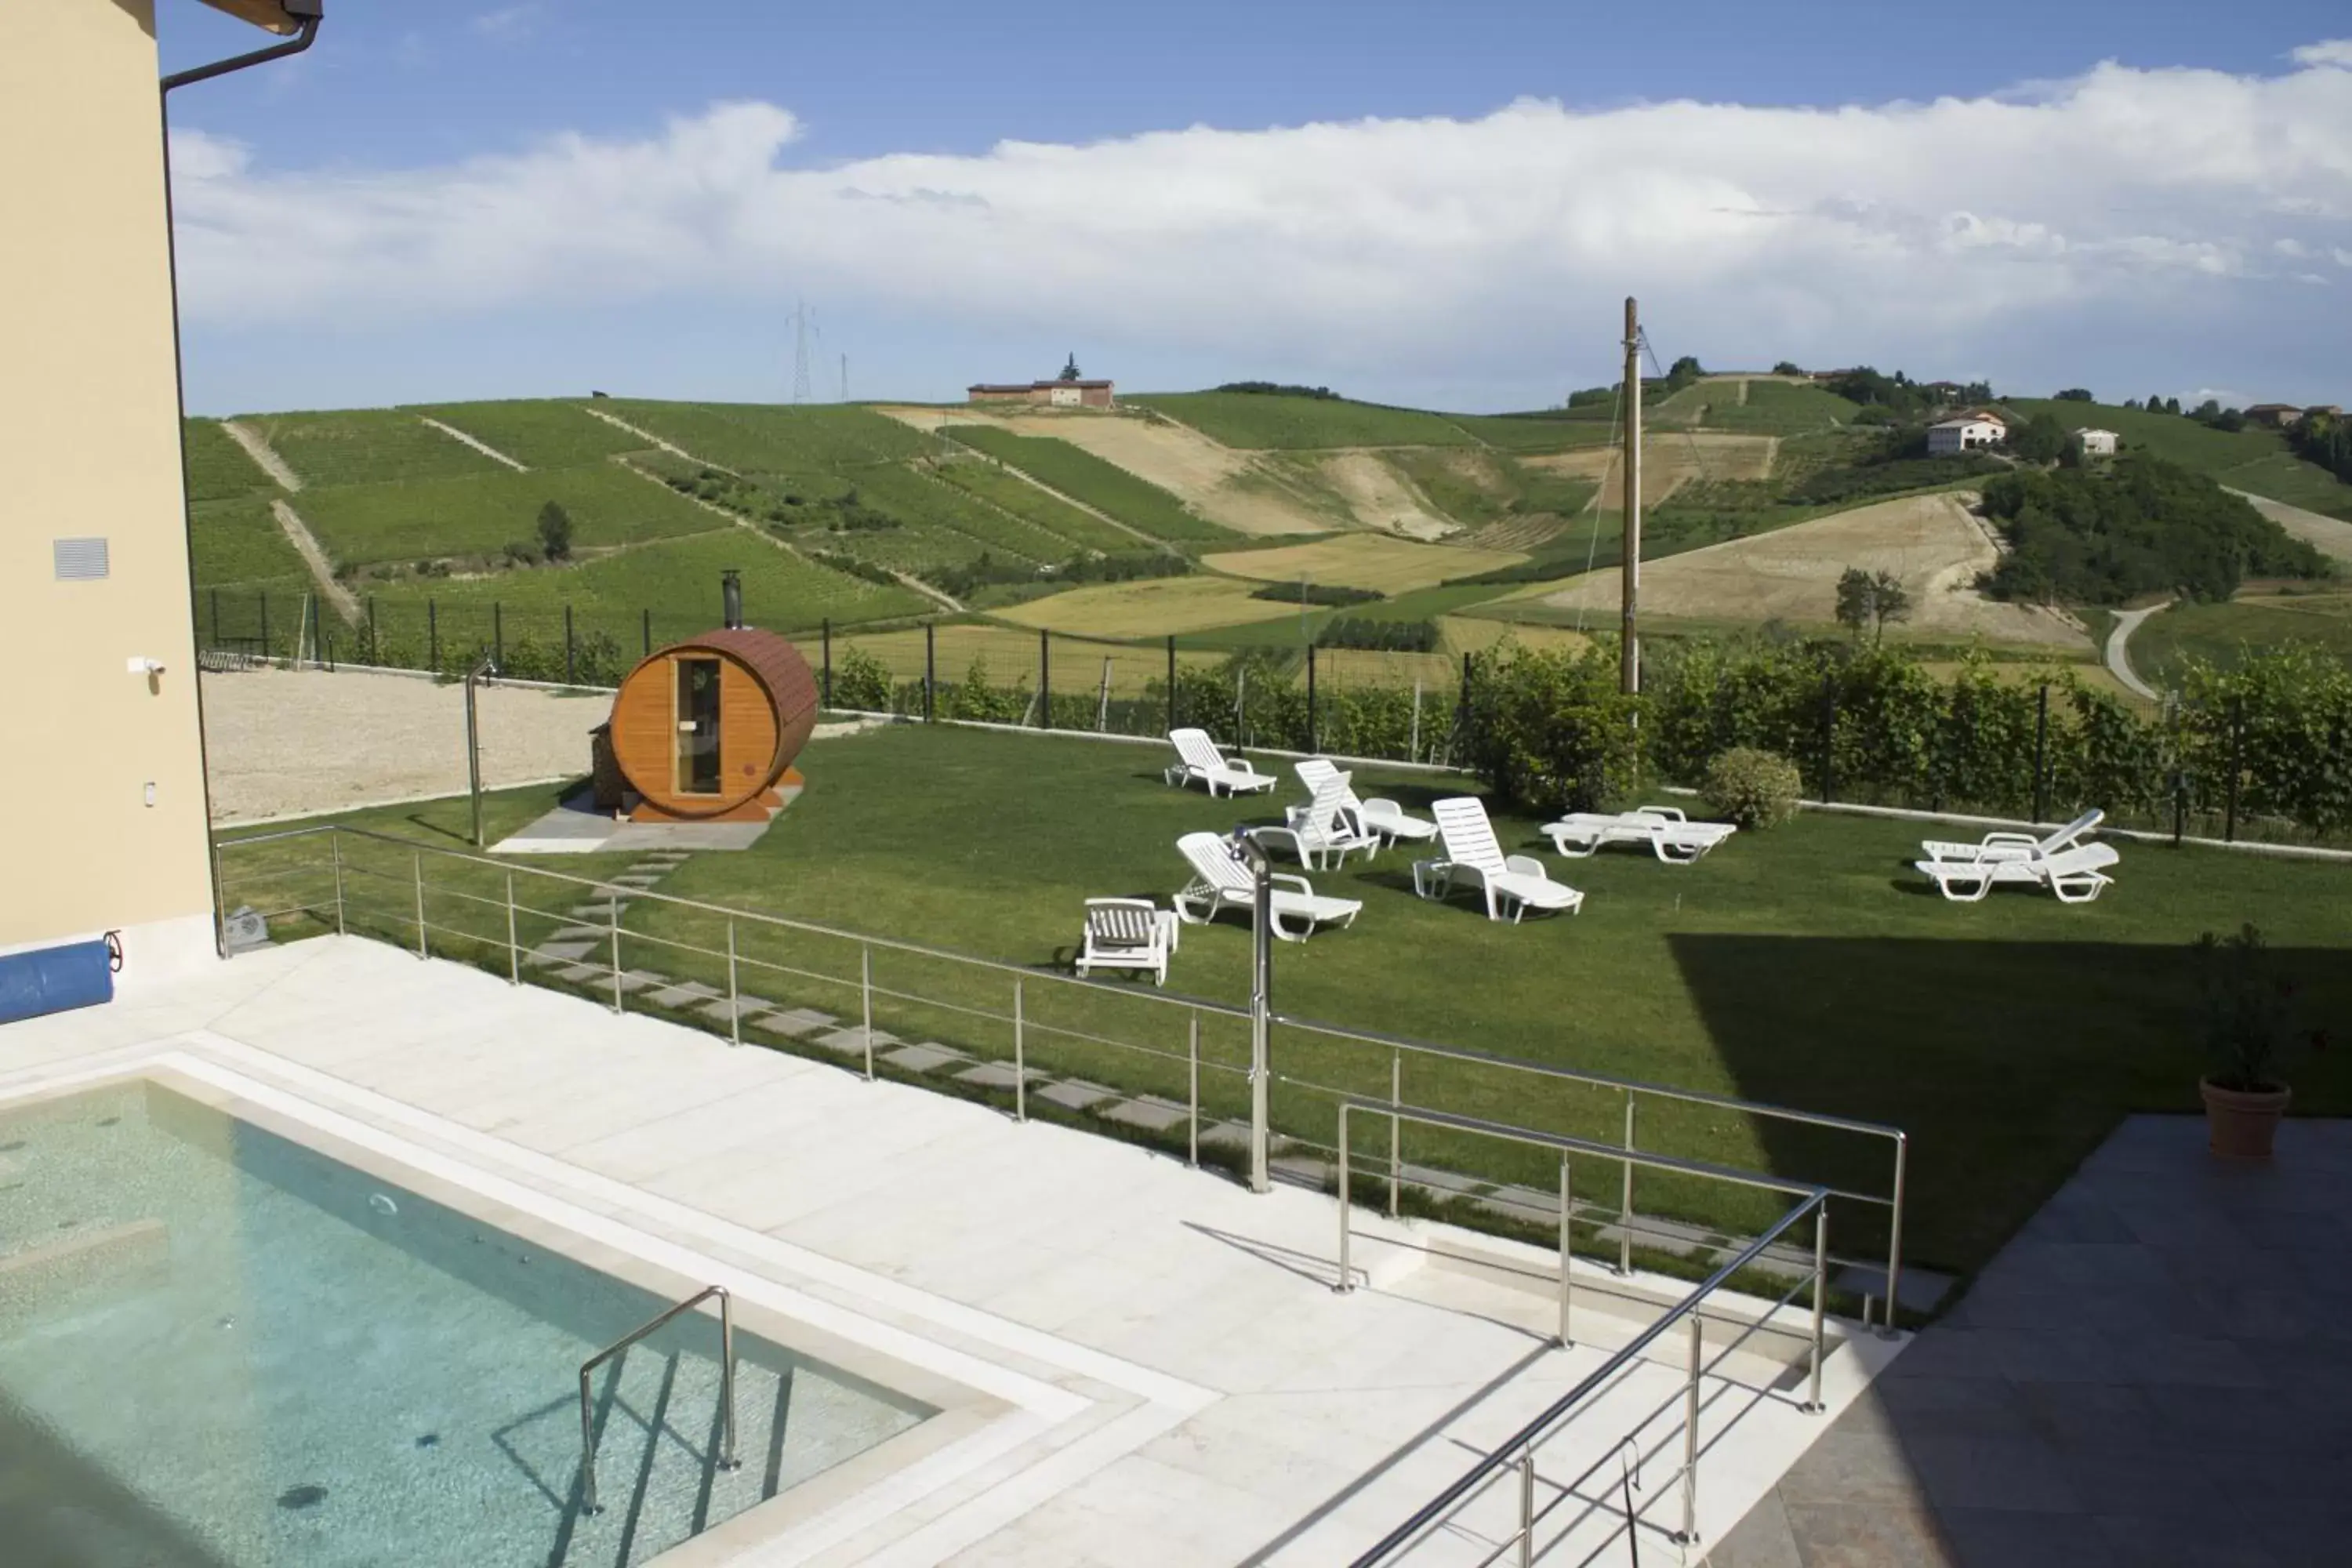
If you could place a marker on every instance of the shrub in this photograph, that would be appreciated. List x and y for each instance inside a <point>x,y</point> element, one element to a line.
<point>1551,730</point>
<point>554,532</point>
<point>1383,637</point>
<point>861,681</point>
<point>519,553</point>
<point>1317,594</point>
<point>1753,788</point>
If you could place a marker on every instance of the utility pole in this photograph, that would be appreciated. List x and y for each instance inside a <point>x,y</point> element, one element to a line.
<point>844,378</point>
<point>799,351</point>
<point>1630,657</point>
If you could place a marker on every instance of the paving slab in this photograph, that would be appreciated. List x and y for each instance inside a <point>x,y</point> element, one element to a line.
<point>927,1056</point>
<point>682,994</point>
<point>794,1022</point>
<point>1154,1114</point>
<point>1075,1094</point>
<point>851,1042</point>
<point>745,1007</point>
<point>994,1074</point>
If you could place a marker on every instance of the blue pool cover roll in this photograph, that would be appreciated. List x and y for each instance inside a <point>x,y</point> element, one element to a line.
<point>52,979</point>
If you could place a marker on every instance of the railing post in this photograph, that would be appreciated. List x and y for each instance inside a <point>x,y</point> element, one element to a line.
<point>2042,755</point>
<point>514,948</point>
<point>1044,678</point>
<point>335,849</point>
<point>571,653</point>
<point>1820,1296</point>
<point>1192,1093</point>
<point>1261,1016</point>
<point>432,637</point>
<point>1347,1280</point>
<point>220,904</point>
<point>825,635</point>
<point>734,1001</point>
<point>265,629</point>
<point>930,667</point>
<point>215,642</point>
<point>1172,680</point>
<point>2237,767</point>
<point>1690,1535</point>
<point>866,1001</point>
<point>375,642</point>
<point>1396,1130</point>
<point>727,1458</point>
<point>1625,1200</point>
<point>1895,1234</point>
<point>1019,1052</point>
<point>418,860</point>
<point>645,630</point>
<point>1527,1507</point>
<point>612,914</point>
<point>1311,698</point>
<point>1567,1248</point>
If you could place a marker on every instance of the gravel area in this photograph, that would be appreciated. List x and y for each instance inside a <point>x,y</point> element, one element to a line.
<point>287,743</point>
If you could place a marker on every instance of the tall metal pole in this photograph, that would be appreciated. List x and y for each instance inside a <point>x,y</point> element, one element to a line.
<point>1261,1007</point>
<point>474,745</point>
<point>1630,659</point>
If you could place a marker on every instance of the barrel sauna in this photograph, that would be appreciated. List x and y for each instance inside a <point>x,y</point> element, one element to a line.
<point>706,730</point>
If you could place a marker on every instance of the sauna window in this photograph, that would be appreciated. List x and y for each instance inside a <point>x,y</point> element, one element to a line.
<point>697,726</point>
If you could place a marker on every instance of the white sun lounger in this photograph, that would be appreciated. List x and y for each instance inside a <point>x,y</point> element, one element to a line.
<point>2076,876</point>
<point>1197,757</point>
<point>1323,832</point>
<point>2009,846</point>
<point>1127,933</point>
<point>1514,884</point>
<point>1676,838</point>
<point>1384,818</point>
<point>1221,881</point>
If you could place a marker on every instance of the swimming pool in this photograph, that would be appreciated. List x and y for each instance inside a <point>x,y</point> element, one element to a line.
<point>223,1347</point>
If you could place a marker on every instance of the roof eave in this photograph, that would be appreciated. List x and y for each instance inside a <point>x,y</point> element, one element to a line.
<point>271,16</point>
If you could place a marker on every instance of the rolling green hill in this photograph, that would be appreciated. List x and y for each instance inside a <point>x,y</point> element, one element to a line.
<point>2254,460</point>
<point>1083,476</point>
<point>1263,422</point>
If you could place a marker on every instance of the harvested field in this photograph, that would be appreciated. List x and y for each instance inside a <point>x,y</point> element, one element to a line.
<point>1931,543</point>
<point>1363,561</point>
<point>283,744</point>
<point>1382,497</point>
<point>1669,462</point>
<point>1146,609</point>
<point>2328,535</point>
<point>1226,486</point>
<point>1010,657</point>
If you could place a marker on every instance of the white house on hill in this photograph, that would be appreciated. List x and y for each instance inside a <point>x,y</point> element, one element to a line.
<point>2096,442</point>
<point>1965,433</point>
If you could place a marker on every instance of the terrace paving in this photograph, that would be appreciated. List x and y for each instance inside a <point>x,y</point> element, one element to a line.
<point>1249,1412</point>
<point>2157,1370</point>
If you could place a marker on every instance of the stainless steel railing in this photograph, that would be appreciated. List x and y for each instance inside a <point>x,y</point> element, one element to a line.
<point>1519,1451</point>
<point>1021,1023</point>
<point>727,1459</point>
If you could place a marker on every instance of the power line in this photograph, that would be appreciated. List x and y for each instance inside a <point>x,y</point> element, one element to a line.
<point>801,331</point>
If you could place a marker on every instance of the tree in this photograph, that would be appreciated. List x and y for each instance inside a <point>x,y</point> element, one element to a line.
<point>555,531</point>
<point>2041,439</point>
<point>2076,395</point>
<point>1788,367</point>
<point>1868,600</point>
<point>2172,406</point>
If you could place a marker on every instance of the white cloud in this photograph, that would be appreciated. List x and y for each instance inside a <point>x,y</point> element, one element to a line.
<point>2330,52</point>
<point>510,22</point>
<point>1414,245</point>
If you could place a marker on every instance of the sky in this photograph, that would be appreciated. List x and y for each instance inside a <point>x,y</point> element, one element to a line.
<point>1439,205</point>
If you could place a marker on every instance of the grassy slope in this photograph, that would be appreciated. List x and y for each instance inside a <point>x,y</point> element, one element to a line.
<point>2250,459</point>
<point>2224,633</point>
<point>1261,423</point>
<point>1776,409</point>
<point>365,446</point>
<point>1084,477</point>
<point>480,513</point>
<point>1535,435</point>
<point>1078,529</point>
<point>762,439</point>
<point>541,433</point>
<point>218,468</point>
<point>238,546</point>
<point>1787,967</point>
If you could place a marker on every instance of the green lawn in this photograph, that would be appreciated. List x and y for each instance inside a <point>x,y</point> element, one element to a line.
<point>758,437</point>
<point>365,446</point>
<point>1777,408</point>
<point>218,468</point>
<point>542,432</point>
<point>2249,626</point>
<point>1264,421</point>
<point>2253,459</point>
<point>1534,433</point>
<point>1805,966</point>
<point>1083,476</point>
<point>479,514</point>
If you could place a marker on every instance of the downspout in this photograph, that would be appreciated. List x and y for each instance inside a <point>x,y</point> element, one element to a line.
<point>310,13</point>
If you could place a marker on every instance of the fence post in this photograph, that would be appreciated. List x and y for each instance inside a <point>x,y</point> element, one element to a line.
<point>2237,766</point>
<point>1625,1200</point>
<point>422,950</point>
<point>825,637</point>
<point>1821,1286</point>
<point>645,630</point>
<point>1311,698</point>
<point>216,618</point>
<point>734,995</point>
<point>571,654</point>
<point>1020,1056</point>
<point>1828,741</point>
<point>866,1001</point>
<point>1567,1246</point>
<point>432,637</point>
<point>2042,755</point>
<point>265,627</point>
<point>1192,1097</point>
<point>1462,702</point>
<point>1172,680</point>
<point>1527,1507</point>
<point>1690,1535</point>
<point>375,642</point>
<point>335,849</point>
<point>514,948</point>
<point>612,914</point>
<point>1262,1018</point>
<point>1044,678</point>
<point>1396,1130</point>
<point>930,665</point>
<point>499,633</point>
<point>1413,747</point>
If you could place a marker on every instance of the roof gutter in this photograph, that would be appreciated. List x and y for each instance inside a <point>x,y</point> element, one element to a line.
<point>306,12</point>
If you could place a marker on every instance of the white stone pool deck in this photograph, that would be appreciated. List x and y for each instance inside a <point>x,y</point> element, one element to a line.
<point>1218,1402</point>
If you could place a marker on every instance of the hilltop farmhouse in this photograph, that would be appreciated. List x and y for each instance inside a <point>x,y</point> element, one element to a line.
<point>1965,433</point>
<point>2098,443</point>
<point>1068,390</point>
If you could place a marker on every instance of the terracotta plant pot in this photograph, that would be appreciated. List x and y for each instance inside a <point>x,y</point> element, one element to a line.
<point>2241,1123</point>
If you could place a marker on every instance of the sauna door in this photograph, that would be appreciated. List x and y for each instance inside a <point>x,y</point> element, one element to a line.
<point>697,726</point>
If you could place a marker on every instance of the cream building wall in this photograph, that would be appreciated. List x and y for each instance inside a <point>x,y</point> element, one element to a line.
<point>90,447</point>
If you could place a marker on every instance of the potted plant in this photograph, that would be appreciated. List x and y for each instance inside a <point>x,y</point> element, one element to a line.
<point>2250,1027</point>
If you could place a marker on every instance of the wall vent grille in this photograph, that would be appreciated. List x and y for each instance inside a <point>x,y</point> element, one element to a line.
<point>79,560</point>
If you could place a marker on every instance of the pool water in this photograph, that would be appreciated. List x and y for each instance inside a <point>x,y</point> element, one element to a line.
<point>220,1348</point>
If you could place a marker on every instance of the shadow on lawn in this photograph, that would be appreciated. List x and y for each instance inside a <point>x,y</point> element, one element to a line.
<point>2006,1062</point>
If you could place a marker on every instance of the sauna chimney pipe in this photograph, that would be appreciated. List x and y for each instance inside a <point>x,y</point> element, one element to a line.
<point>730,596</point>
